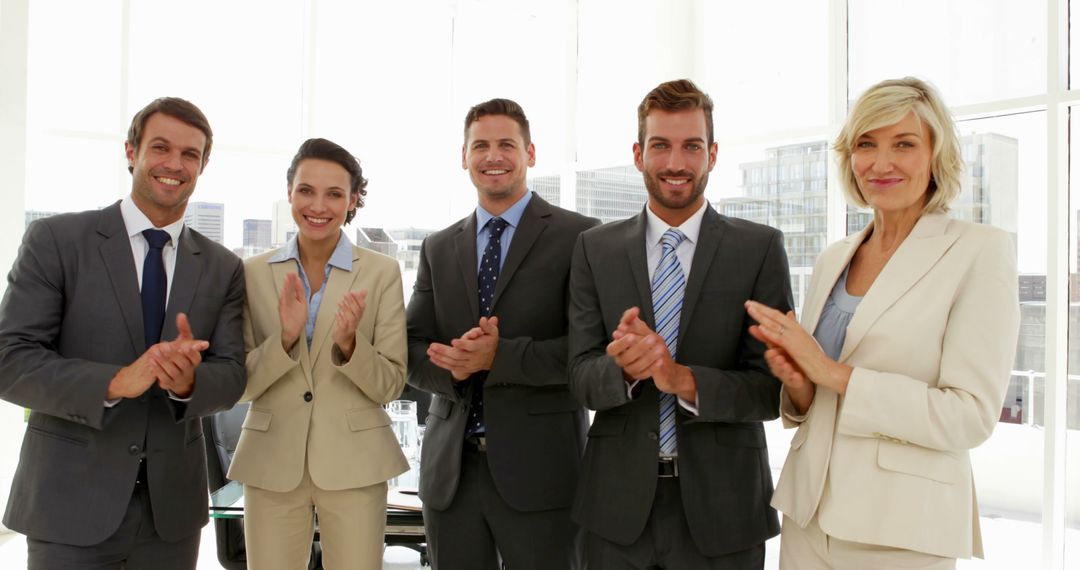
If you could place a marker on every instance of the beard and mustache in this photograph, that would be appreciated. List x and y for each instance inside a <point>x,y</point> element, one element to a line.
<point>675,202</point>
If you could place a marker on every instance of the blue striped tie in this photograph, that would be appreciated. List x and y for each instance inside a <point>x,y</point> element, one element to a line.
<point>668,285</point>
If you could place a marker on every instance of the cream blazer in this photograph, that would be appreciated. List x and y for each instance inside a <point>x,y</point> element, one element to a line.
<point>343,431</point>
<point>932,346</point>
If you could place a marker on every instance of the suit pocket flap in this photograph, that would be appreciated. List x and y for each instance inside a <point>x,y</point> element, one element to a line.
<point>257,420</point>
<point>605,425</point>
<point>740,436</point>
<point>367,418</point>
<point>440,407</point>
<point>551,402</point>
<point>919,461</point>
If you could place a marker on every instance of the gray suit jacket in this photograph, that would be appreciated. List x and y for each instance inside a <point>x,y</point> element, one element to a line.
<point>724,467</point>
<point>535,429</point>
<point>70,319</point>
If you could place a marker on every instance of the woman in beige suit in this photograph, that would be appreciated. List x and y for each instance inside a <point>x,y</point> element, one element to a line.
<point>914,323</point>
<point>325,336</point>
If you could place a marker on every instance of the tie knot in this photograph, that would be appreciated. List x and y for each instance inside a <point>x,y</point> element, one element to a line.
<point>496,227</point>
<point>156,238</point>
<point>672,238</point>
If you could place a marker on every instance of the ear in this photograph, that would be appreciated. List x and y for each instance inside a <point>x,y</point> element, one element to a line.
<point>288,193</point>
<point>129,151</point>
<point>712,155</point>
<point>638,159</point>
<point>464,162</point>
<point>532,154</point>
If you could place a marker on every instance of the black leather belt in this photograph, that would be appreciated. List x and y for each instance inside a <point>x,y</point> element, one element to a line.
<point>476,442</point>
<point>668,467</point>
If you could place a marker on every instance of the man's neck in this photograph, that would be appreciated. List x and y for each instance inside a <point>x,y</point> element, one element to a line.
<point>497,205</point>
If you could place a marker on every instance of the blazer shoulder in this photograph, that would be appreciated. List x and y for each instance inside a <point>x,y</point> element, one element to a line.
<point>373,258</point>
<point>573,219</point>
<point>749,228</point>
<point>446,234</point>
<point>211,247</point>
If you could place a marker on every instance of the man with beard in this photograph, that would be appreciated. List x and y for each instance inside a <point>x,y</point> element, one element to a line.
<point>676,473</point>
<point>119,329</point>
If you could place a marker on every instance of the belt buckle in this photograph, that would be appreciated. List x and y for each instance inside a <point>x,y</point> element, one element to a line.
<point>668,467</point>
<point>477,441</point>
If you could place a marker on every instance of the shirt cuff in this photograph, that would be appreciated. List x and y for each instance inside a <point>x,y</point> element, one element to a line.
<point>692,408</point>
<point>178,398</point>
<point>112,403</point>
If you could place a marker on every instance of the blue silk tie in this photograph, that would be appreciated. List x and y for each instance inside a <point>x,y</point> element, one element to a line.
<point>668,286</point>
<point>154,286</point>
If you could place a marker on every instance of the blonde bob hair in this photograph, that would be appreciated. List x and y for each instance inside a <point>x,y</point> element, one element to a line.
<point>887,103</point>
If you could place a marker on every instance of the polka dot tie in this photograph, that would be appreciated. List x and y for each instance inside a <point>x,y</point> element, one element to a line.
<point>486,279</point>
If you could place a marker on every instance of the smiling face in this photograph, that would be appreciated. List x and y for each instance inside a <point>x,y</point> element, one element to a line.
<point>319,195</point>
<point>675,160</point>
<point>497,158</point>
<point>892,165</point>
<point>165,167</point>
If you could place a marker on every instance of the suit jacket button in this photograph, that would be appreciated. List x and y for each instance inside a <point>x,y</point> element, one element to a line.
<point>308,396</point>
<point>133,449</point>
<point>653,436</point>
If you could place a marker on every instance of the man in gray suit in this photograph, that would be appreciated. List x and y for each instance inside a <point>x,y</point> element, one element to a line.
<point>119,329</point>
<point>676,473</point>
<point>487,337</point>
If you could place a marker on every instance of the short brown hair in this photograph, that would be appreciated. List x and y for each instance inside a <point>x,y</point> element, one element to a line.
<point>677,95</point>
<point>176,108</point>
<point>503,107</point>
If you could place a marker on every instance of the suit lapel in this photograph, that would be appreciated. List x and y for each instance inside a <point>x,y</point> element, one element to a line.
<point>279,271</point>
<point>705,251</point>
<point>339,283</point>
<point>639,265</point>
<point>920,251</point>
<point>534,221</point>
<point>116,254</point>
<point>465,252</point>
<point>828,270</point>
<point>186,275</point>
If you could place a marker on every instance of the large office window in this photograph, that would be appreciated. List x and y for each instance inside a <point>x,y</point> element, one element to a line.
<point>392,82</point>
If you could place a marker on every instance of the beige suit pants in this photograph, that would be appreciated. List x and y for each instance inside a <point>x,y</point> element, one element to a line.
<point>811,549</point>
<point>278,527</point>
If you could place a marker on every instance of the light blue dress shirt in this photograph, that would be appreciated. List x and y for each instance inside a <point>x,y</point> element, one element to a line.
<point>341,258</point>
<point>512,216</point>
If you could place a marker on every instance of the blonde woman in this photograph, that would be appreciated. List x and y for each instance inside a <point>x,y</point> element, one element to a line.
<point>903,357</point>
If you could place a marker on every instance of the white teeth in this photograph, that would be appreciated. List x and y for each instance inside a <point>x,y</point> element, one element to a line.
<point>169,181</point>
<point>495,172</point>
<point>676,181</point>
<point>318,220</point>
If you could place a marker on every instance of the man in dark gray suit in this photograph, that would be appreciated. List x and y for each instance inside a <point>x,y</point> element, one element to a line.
<point>119,329</point>
<point>676,473</point>
<point>487,337</point>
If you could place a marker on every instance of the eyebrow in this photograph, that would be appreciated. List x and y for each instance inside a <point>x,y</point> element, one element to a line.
<point>160,138</point>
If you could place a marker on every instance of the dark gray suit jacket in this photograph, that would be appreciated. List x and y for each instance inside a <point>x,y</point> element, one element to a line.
<point>535,428</point>
<point>70,319</point>
<point>724,467</point>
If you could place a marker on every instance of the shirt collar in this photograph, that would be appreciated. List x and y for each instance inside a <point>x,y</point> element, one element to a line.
<point>655,227</point>
<point>341,257</point>
<point>512,215</point>
<point>136,221</point>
